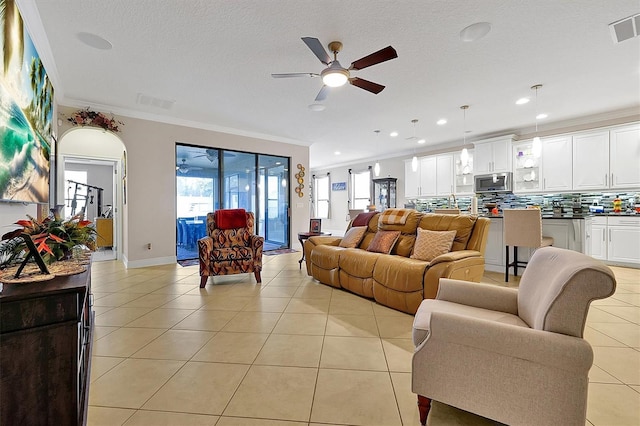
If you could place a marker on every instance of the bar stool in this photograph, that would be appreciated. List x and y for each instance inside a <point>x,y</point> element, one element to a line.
<point>522,228</point>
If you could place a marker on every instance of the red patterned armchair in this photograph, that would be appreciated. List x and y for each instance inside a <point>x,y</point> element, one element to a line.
<point>230,246</point>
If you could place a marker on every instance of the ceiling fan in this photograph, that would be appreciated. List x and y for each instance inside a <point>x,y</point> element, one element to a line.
<point>335,75</point>
<point>185,168</point>
<point>212,155</point>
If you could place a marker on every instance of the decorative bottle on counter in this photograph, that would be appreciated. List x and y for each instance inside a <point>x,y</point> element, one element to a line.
<point>617,204</point>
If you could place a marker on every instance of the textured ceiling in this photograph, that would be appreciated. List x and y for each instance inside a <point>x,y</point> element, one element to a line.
<point>214,58</point>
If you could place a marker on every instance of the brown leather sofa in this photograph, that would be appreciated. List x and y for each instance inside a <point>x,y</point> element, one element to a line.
<point>396,280</point>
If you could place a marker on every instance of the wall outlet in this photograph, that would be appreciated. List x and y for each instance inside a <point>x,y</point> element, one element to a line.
<point>148,246</point>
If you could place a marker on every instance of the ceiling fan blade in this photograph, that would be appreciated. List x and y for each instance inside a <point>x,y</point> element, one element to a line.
<point>316,47</point>
<point>381,55</point>
<point>322,94</point>
<point>295,74</point>
<point>367,85</point>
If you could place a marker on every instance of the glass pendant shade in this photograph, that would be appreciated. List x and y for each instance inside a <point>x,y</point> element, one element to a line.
<point>464,157</point>
<point>414,163</point>
<point>376,169</point>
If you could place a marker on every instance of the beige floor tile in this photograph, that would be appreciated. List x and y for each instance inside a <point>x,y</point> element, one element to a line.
<point>313,324</point>
<point>352,325</point>
<point>407,400</point>
<point>395,327</point>
<point>365,398</point>
<point>629,288</point>
<point>187,301</point>
<point>227,303</point>
<point>241,348</point>
<point>289,395</point>
<point>267,304</point>
<point>630,298</point>
<point>206,320</point>
<point>175,289</point>
<point>621,363</point>
<point>635,388</point>
<point>100,331</point>
<point>243,421</point>
<point>116,299</point>
<point>125,341</point>
<point>597,335</point>
<point>165,418</point>
<point>627,333</point>
<point>132,382</point>
<point>175,344</point>
<point>99,310</point>
<point>356,353</point>
<point>291,350</point>
<point>253,322</point>
<point>149,286</point>
<point>102,364</point>
<point>598,375</point>
<point>161,318</point>
<point>383,311</point>
<point>313,291</point>
<point>597,314</point>
<point>279,291</point>
<point>399,353</point>
<point>200,388</point>
<point>344,306</point>
<point>629,313</point>
<point>104,416</point>
<point>120,316</point>
<point>613,405</point>
<point>150,301</point>
<point>308,306</point>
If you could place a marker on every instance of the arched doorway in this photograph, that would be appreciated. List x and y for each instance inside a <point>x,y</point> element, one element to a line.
<point>89,180</point>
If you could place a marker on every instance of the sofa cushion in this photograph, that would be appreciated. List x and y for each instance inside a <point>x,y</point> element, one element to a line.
<point>363,219</point>
<point>353,237</point>
<point>383,241</point>
<point>326,257</point>
<point>462,224</point>
<point>358,263</point>
<point>431,244</point>
<point>408,227</point>
<point>400,273</point>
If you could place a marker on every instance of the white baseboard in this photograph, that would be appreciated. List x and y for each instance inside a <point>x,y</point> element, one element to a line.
<point>154,261</point>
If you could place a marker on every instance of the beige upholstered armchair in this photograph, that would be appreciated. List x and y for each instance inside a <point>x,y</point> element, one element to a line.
<point>513,355</point>
<point>230,246</point>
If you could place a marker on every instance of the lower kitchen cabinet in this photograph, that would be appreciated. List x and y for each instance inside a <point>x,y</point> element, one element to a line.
<point>623,239</point>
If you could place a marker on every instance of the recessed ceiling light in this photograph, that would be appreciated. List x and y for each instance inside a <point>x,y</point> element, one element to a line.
<point>393,134</point>
<point>441,122</point>
<point>541,116</point>
<point>278,163</point>
<point>421,141</point>
<point>317,107</point>
<point>522,101</point>
<point>475,31</point>
<point>94,41</point>
<point>337,153</point>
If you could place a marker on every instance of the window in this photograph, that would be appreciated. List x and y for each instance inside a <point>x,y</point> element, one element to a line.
<point>321,195</point>
<point>361,189</point>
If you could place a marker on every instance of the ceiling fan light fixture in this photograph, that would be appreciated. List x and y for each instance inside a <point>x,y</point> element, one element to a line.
<point>335,75</point>
<point>475,31</point>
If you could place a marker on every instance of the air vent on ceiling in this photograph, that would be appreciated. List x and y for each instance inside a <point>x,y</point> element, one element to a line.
<point>625,29</point>
<point>155,102</point>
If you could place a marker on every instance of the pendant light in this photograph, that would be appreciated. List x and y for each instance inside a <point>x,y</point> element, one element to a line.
<point>464,154</point>
<point>536,147</point>
<point>414,160</point>
<point>376,168</point>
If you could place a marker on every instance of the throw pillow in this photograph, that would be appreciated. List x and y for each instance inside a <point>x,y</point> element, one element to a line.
<point>353,237</point>
<point>431,244</point>
<point>383,241</point>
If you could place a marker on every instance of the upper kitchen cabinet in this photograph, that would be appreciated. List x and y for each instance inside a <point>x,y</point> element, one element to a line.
<point>591,160</point>
<point>434,177</point>
<point>492,155</point>
<point>556,164</point>
<point>527,173</point>
<point>463,174</point>
<point>607,159</point>
<point>624,157</point>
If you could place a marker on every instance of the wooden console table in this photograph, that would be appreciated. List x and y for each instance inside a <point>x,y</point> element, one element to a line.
<point>46,329</point>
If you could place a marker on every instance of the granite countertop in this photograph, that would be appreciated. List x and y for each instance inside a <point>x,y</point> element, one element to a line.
<point>565,215</point>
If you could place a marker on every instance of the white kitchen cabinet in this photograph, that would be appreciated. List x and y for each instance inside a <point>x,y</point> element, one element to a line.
<point>434,177</point>
<point>527,168</point>
<point>623,239</point>
<point>444,174</point>
<point>463,175</point>
<point>599,237</point>
<point>624,157</point>
<point>591,161</point>
<point>493,155</point>
<point>556,164</point>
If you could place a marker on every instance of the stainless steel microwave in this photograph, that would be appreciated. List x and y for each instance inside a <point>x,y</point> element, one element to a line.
<point>494,182</point>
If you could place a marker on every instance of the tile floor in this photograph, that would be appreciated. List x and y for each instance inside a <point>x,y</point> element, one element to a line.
<point>294,352</point>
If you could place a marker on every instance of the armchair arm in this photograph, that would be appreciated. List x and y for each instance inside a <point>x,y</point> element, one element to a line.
<point>484,296</point>
<point>257,245</point>
<point>455,255</point>
<point>325,240</point>
<point>554,350</point>
<point>205,247</point>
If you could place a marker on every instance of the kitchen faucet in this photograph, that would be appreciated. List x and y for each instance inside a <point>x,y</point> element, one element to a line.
<point>455,202</point>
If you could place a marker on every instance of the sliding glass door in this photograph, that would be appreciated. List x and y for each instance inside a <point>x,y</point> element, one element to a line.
<point>208,179</point>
